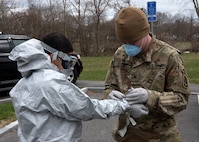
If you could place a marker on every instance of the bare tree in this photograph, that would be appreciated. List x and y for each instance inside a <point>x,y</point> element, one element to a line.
<point>64,2</point>
<point>79,8</point>
<point>6,7</point>
<point>97,8</point>
<point>33,22</point>
<point>51,14</point>
<point>118,5</point>
<point>85,23</point>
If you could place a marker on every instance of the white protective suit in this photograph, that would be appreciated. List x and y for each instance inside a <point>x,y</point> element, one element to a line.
<point>48,107</point>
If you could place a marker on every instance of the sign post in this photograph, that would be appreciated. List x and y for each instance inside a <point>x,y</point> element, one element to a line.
<point>151,12</point>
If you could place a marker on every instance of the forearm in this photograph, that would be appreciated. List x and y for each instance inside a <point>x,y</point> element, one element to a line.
<point>106,92</point>
<point>106,108</point>
<point>168,103</point>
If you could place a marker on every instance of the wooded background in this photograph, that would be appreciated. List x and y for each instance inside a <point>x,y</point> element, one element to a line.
<point>86,24</point>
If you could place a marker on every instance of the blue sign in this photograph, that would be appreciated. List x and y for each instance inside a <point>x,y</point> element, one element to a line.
<point>151,11</point>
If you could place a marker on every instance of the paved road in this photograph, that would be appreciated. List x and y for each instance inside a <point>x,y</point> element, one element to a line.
<point>101,130</point>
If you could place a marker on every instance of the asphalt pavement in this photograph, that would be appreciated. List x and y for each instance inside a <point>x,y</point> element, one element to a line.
<point>101,130</point>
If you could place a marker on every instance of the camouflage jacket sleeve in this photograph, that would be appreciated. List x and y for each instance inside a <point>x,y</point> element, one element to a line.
<point>116,75</point>
<point>175,97</point>
<point>111,81</point>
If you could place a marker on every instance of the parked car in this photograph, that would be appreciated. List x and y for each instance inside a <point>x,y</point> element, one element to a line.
<point>9,74</point>
<point>77,68</point>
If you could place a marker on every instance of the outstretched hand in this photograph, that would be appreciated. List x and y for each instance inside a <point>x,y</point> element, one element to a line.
<point>138,110</point>
<point>116,95</point>
<point>137,96</point>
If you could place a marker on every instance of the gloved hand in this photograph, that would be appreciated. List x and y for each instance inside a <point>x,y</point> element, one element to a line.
<point>116,95</point>
<point>138,110</point>
<point>137,96</point>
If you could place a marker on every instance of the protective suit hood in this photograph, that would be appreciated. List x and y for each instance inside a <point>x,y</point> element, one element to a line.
<point>30,56</point>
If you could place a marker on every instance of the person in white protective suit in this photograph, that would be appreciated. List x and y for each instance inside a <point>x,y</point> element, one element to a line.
<point>48,107</point>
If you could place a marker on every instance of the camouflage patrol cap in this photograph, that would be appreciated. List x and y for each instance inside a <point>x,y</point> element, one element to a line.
<point>131,24</point>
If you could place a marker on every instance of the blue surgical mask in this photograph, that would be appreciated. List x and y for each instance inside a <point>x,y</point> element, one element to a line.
<point>132,50</point>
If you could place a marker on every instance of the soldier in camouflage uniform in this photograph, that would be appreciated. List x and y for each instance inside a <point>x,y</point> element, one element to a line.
<point>158,69</point>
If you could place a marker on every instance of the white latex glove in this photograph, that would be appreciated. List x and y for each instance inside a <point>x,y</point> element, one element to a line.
<point>137,96</point>
<point>116,95</point>
<point>138,110</point>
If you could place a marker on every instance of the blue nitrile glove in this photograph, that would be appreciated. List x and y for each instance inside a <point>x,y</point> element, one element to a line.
<point>137,96</point>
<point>138,110</point>
<point>116,95</point>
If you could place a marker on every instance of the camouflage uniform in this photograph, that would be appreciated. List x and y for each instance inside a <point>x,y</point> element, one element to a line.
<point>160,70</point>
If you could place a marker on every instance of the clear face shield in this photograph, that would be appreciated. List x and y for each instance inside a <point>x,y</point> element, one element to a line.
<point>68,62</point>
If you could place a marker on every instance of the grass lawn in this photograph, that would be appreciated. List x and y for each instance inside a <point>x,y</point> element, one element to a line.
<point>191,63</point>
<point>7,114</point>
<point>95,68</point>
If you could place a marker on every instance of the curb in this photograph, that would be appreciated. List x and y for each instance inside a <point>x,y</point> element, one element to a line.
<point>8,127</point>
<point>194,93</point>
